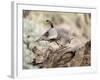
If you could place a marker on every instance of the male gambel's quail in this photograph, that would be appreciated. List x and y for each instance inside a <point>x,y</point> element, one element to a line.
<point>56,34</point>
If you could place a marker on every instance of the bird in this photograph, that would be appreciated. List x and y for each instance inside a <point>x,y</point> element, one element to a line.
<point>55,34</point>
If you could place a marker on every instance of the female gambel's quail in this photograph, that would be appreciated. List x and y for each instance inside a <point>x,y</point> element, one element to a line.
<point>56,34</point>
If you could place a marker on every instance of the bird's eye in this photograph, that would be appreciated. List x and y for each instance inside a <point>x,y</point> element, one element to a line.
<point>47,20</point>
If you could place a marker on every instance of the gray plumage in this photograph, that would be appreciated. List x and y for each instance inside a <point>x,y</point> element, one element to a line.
<point>56,34</point>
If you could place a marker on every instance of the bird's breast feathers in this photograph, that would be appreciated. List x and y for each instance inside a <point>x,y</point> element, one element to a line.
<point>53,33</point>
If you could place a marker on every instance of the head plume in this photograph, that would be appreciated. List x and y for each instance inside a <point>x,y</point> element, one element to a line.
<point>50,23</point>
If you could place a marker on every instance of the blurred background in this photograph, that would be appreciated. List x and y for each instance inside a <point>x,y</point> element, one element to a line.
<point>34,25</point>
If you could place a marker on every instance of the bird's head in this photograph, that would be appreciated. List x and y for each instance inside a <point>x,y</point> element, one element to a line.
<point>49,22</point>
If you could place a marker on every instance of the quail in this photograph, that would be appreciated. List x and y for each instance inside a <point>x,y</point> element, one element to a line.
<point>55,34</point>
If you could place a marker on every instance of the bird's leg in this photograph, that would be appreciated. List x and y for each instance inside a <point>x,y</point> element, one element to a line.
<point>58,44</point>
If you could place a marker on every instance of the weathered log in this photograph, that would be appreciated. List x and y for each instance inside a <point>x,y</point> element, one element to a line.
<point>68,57</point>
